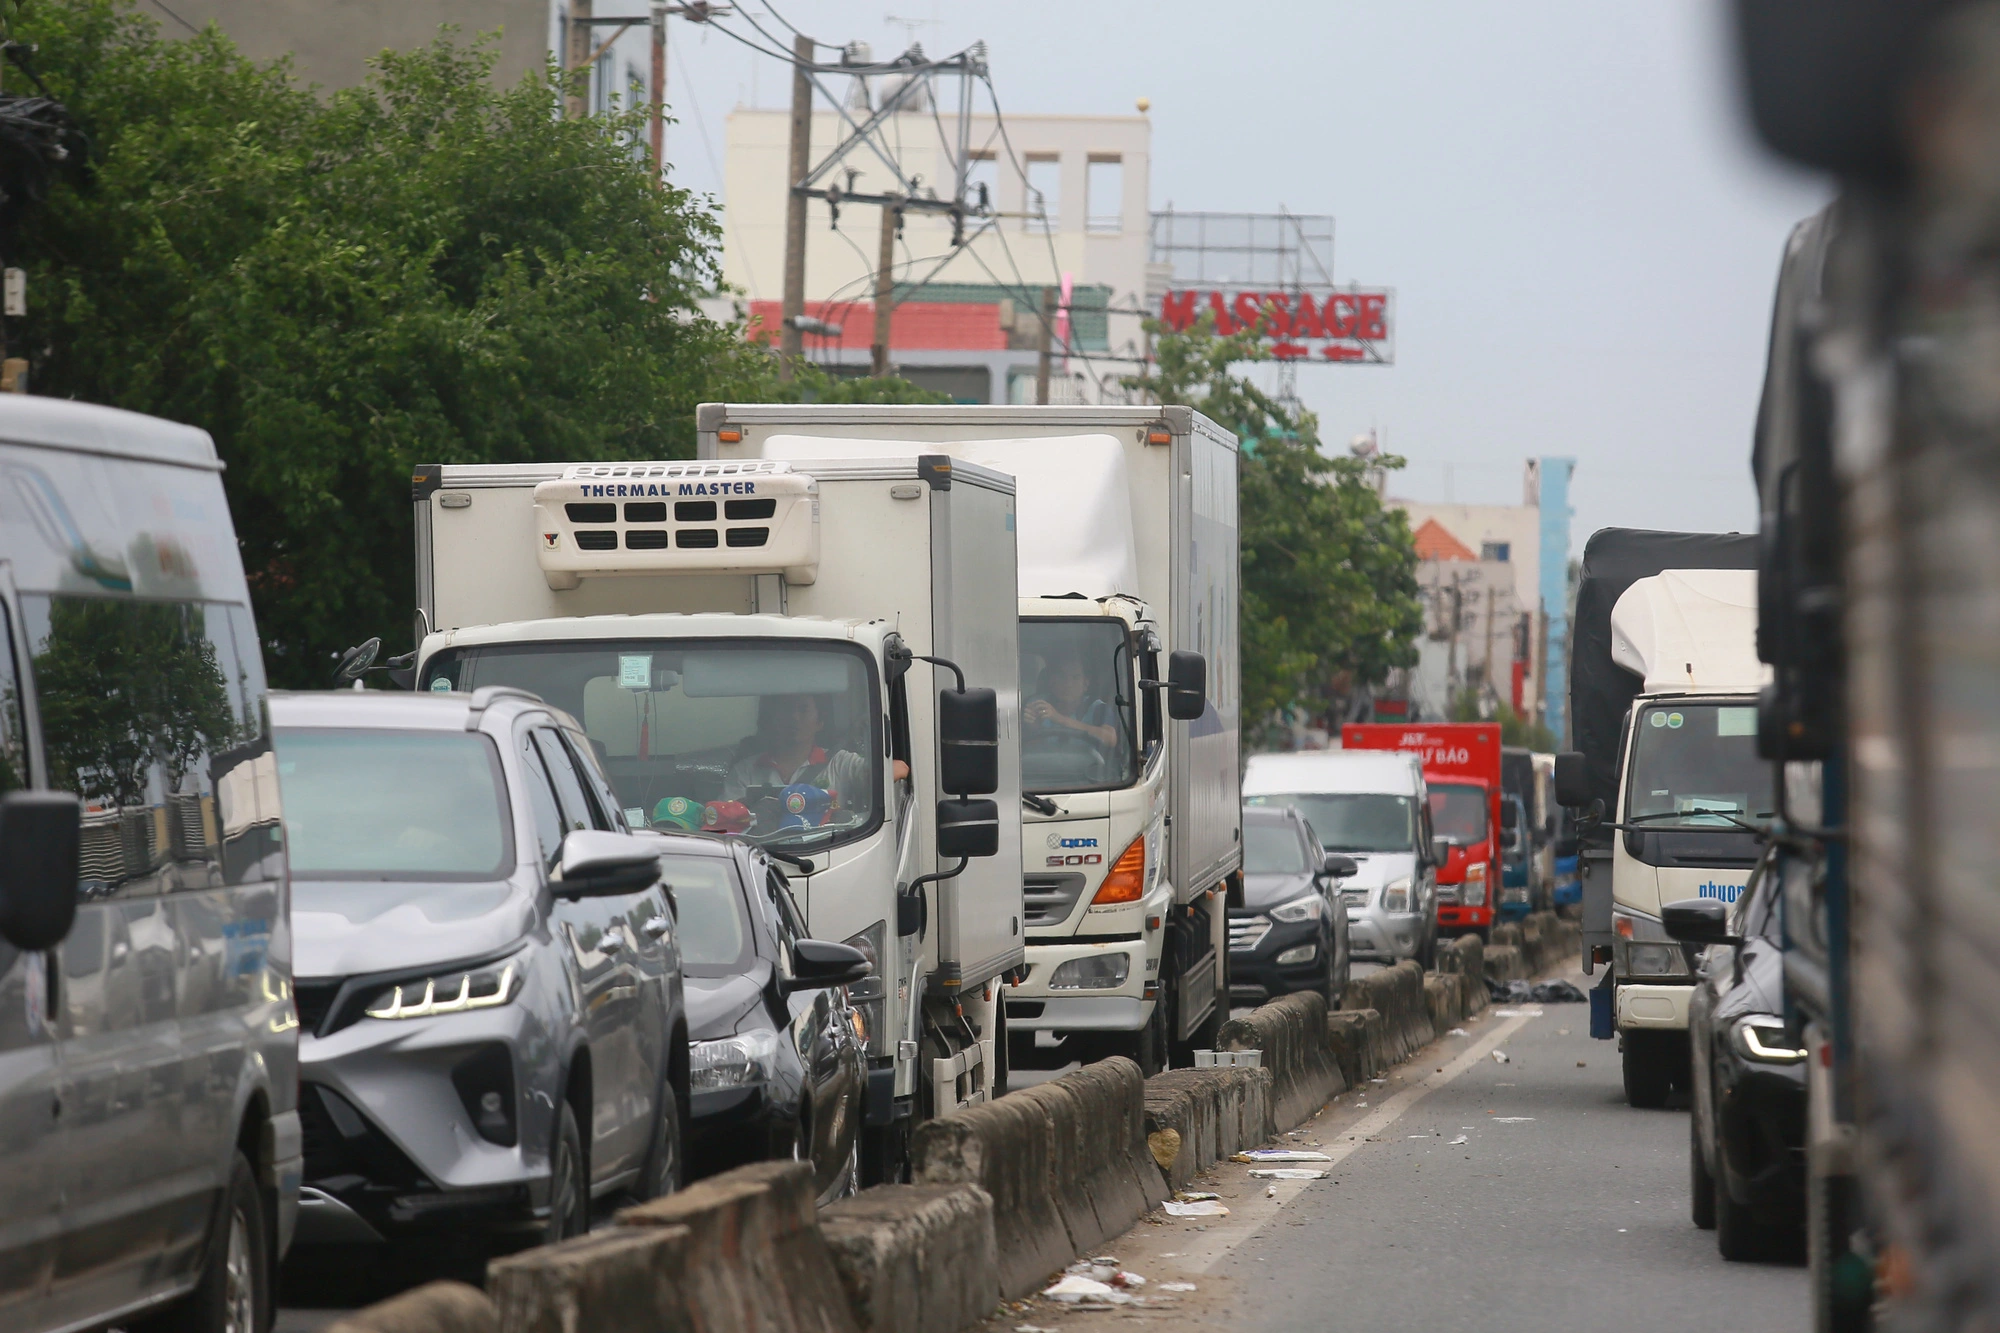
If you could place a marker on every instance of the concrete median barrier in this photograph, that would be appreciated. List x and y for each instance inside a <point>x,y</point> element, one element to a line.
<point>915,1258</point>
<point>1101,1169</point>
<point>1291,1032</point>
<point>436,1307</point>
<point>1397,993</point>
<point>1504,963</point>
<point>1465,959</point>
<point>1355,1038</point>
<point>1198,1117</point>
<point>617,1280</point>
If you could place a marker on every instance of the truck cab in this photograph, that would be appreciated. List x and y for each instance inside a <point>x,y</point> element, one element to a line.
<point>1462,780</point>
<point>822,662</point>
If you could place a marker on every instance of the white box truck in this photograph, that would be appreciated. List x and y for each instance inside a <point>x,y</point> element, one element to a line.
<point>820,660</point>
<point>1129,679</point>
<point>1664,700</point>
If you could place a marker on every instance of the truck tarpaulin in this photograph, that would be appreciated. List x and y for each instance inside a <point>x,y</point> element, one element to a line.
<point>1599,689</point>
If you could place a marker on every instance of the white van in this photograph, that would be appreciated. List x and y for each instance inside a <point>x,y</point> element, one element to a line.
<point>1373,806</point>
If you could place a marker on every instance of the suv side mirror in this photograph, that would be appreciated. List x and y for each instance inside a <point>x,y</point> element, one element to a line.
<point>40,836</point>
<point>1187,686</point>
<point>1441,849</point>
<point>1698,921</point>
<point>968,742</point>
<point>1336,866</point>
<point>1572,782</point>
<point>966,829</point>
<point>598,864</point>
<point>820,963</point>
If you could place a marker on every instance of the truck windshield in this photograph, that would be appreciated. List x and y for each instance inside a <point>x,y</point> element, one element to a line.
<point>1692,763</point>
<point>1076,715</point>
<point>1458,812</point>
<point>374,804</point>
<point>1353,821</point>
<point>776,741</point>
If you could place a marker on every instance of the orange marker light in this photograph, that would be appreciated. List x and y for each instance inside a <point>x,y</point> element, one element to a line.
<point>1127,881</point>
<point>729,435</point>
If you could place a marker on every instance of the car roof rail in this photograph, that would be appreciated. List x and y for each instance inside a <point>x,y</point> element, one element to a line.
<point>486,694</point>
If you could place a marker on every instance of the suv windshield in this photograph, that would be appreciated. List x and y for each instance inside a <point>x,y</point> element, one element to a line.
<point>1458,812</point>
<point>368,803</point>
<point>779,742</point>
<point>1076,712</point>
<point>1690,759</point>
<point>1352,822</point>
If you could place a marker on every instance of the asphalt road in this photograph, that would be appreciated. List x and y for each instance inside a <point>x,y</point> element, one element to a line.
<point>1564,1211</point>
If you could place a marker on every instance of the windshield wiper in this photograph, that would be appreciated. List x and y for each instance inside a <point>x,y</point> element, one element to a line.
<point>1041,805</point>
<point>1728,815</point>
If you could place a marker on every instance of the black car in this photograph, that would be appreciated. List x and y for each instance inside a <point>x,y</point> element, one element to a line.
<point>777,1057</point>
<point>1746,1136</point>
<point>1290,934</point>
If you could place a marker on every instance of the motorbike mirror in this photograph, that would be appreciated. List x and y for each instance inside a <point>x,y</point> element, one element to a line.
<point>597,864</point>
<point>967,828</point>
<point>40,836</point>
<point>1572,779</point>
<point>355,661</point>
<point>821,963</point>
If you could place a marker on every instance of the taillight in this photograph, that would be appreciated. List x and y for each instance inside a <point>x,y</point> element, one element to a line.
<point>1127,881</point>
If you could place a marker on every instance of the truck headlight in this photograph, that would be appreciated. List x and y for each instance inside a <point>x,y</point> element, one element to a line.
<point>1652,960</point>
<point>733,1062</point>
<point>1473,892</point>
<point>1103,971</point>
<point>455,991</point>
<point>1309,908</point>
<point>1762,1037</point>
<point>1641,947</point>
<point>1396,897</point>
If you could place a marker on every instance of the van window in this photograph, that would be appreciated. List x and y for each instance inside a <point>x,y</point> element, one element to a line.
<point>152,713</point>
<point>1351,821</point>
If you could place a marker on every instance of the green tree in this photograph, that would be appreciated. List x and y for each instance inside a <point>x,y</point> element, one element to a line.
<point>426,268</point>
<point>1329,573</point>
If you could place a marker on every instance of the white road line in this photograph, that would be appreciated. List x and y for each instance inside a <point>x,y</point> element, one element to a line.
<point>1247,1216</point>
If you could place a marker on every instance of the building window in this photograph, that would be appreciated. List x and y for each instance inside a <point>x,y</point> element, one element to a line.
<point>602,89</point>
<point>1495,551</point>
<point>1104,194</point>
<point>1042,202</point>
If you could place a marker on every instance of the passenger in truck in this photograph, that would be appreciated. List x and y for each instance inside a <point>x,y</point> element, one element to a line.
<point>786,752</point>
<point>1066,702</point>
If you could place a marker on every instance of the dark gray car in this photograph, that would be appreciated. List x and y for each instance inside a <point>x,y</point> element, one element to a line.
<point>1290,934</point>
<point>489,976</point>
<point>149,1145</point>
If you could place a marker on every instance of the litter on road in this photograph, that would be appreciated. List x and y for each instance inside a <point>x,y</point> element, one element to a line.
<point>1280,1155</point>
<point>1460,1139</point>
<point>1291,1173</point>
<point>1199,1208</point>
<point>1502,1058</point>
<point>1177,1286</point>
<point>1517,1013</point>
<point>1512,1119</point>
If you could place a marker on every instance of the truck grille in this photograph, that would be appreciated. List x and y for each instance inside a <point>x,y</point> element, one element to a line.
<point>1354,897</point>
<point>1049,899</point>
<point>1247,932</point>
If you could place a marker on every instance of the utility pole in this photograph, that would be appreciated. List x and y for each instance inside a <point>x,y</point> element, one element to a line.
<point>790,340</point>
<point>659,92</point>
<point>885,288</point>
<point>1487,670</point>
<point>576,61</point>
<point>1048,323</point>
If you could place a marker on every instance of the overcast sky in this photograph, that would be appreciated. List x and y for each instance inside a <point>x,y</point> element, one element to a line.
<point>1581,236</point>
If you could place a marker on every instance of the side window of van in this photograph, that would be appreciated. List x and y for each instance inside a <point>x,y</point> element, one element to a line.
<point>153,713</point>
<point>13,746</point>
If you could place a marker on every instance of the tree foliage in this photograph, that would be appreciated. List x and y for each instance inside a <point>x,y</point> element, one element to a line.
<point>1329,574</point>
<point>426,268</point>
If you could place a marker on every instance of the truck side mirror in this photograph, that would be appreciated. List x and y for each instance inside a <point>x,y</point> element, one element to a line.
<point>1187,686</point>
<point>1572,782</point>
<point>968,742</point>
<point>40,836</point>
<point>966,829</point>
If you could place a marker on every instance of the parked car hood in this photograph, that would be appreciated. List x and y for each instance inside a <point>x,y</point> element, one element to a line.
<point>716,1006</point>
<point>344,927</point>
<point>1262,891</point>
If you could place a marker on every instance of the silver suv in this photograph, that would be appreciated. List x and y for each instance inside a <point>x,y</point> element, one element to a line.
<point>489,984</point>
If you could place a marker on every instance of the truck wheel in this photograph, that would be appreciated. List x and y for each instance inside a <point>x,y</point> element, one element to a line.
<point>1701,1185</point>
<point>1649,1077</point>
<point>1156,1040</point>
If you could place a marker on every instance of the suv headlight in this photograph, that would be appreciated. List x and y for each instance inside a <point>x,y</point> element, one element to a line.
<point>1102,971</point>
<point>1309,908</point>
<point>733,1062</point>
<point>454,991</point>
<point>1396,897</point>
<point>1762,1037</point>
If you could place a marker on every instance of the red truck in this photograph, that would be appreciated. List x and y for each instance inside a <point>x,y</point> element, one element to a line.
<point>1462,771</point>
